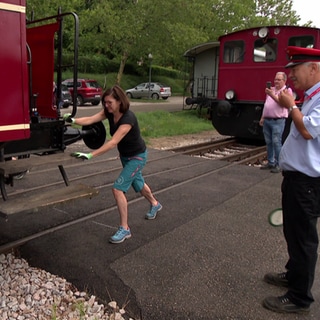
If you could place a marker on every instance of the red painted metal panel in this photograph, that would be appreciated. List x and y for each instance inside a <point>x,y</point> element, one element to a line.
<point>249,77</point>
<point>14,102</point>
<point>41,42</point>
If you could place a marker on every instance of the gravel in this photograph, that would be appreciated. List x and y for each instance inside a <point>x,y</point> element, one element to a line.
<point>165,143</point>
<point>32,293</point>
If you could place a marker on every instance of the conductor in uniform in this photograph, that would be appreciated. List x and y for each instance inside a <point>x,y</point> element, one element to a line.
<point>300,164</point>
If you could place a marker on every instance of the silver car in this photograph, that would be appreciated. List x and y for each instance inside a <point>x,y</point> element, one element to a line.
<point>156,91</point>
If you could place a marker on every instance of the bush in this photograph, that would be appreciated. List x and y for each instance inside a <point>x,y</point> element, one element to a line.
<point>101,65</point>
<point>105,71</point>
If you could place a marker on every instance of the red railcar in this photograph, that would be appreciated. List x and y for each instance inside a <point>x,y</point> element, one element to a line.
<point>30,120</point>
<point>31,61</point>
<point>229,76</point>
<point>14,108</point>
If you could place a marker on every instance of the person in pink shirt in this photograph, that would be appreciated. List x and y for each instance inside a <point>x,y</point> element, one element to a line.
<point>273,121</point>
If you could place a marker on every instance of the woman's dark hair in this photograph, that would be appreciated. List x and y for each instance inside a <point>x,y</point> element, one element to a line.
<point>117,93</point>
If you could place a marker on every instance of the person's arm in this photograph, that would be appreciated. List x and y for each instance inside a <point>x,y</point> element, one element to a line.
<point>110,144</point>
<point>261,121</point>
<point>85,121</point>
<point>270,93</point>
<point>113,142</point>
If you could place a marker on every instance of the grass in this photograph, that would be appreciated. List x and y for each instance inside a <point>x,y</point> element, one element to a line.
<point>158,124</point>
<point>166,124</point>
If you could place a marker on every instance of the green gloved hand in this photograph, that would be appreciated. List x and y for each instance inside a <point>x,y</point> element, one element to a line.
<point>67,118</point>
<point>81,155</point>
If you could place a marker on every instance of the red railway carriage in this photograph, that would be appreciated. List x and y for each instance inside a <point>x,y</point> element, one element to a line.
<point>31,127</point>
<point>31,61</point>
<point>241,63</point>
<point>29,122</point>
<point>27,66</point>
<point>14,108</point>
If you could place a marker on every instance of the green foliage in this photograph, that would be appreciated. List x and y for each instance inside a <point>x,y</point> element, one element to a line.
<point>99,64</point>
<point>116,33</point>
<point>164,124</point>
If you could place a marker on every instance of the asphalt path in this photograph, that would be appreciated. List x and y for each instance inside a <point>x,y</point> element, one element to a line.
<point>172,104</point>
<point>203,258</point>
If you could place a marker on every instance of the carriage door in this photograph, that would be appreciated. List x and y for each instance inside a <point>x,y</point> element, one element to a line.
<point>14,101</point>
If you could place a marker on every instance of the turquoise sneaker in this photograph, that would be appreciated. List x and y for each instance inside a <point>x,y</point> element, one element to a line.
<point>153,211</point>
<point>121,235</point>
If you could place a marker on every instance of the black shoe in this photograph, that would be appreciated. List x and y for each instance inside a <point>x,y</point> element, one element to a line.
<point>266,167</point>
<point>283,305</point>
<point>275,169</point>
<point>277,279</point>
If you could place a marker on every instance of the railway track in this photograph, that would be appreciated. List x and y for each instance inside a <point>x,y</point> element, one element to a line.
<point>226,149</point>
<point>229,150</point>
<point>70,240</point>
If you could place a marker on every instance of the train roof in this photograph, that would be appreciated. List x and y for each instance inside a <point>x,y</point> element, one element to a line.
<point>267,27</point>
<point>200,48</point>
<point>194,51</point>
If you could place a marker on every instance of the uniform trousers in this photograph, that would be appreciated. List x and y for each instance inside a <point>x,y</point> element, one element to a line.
<point>301,208</point>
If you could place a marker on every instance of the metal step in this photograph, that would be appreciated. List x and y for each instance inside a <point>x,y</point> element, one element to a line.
<point>21,165</point>
<point>34,202</point>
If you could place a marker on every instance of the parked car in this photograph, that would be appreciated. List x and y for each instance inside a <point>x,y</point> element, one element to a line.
<point>65,96</point>
<point>156,91</point>
<point>88,90</point>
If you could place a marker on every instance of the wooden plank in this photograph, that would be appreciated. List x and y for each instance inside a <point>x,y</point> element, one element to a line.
<point>34,202</point>
<point>21,165</point>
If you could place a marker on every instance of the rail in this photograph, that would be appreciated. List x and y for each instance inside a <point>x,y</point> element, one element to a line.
<point>227,150</point>
<point>13,244</point>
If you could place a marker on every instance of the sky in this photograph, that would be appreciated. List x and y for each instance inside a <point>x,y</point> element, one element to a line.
<point>307,10</point>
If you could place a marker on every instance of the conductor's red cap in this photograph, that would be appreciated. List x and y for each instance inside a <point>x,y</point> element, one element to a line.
<point>298,55</point>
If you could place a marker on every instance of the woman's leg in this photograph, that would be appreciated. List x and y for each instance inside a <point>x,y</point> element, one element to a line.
<point>122,205</point>
<point>146,192</point>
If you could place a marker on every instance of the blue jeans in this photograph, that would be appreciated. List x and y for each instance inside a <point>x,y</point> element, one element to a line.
<point>273,130</point>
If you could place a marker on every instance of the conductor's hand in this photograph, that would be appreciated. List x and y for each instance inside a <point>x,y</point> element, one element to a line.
<point>286,100</point>
<point>81,155</point>
<point>67,118</point>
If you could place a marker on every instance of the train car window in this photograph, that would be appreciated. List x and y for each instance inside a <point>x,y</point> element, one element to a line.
<point>302,41</point>
<point>265,50</point>
<point>233,52</point>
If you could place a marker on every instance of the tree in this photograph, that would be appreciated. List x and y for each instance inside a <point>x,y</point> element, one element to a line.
<point>128,30</point>
<point>235,15</point>
<point>113,28</point>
